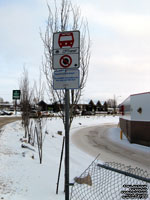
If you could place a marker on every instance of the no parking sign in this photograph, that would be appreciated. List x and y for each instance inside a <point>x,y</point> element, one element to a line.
<point>65,61</point>
<point>66,53</point>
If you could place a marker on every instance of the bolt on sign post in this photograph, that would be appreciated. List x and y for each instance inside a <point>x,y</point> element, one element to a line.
<point>66,76</point>
<point>15,96</point>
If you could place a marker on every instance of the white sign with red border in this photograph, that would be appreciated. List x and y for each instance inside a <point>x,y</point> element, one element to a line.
<point>68,39</point>
<point>66,50</point>
<point>66,61</point>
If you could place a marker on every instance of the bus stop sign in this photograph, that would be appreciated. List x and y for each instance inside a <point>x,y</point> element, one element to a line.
<point>66,50</point>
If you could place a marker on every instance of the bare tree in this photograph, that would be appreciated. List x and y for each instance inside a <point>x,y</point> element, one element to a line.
<point>26,97</point>
<point>112,103</point>
<point>39,136</point>
<point>65,18</point>
<point>39,89</point>
<point>33,127</point>
<point>39,122</point>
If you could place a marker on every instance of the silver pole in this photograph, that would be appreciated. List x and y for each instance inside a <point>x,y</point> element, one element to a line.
<point>66,144</point>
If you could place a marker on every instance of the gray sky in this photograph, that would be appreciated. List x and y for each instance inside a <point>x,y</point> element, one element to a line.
<point>120,35</point>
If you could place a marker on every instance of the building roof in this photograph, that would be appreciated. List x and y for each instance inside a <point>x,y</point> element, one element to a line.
<point>140,93</point>
<point>126,101</point>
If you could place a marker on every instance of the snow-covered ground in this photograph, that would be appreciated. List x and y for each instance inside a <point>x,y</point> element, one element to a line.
<point>21,175</point>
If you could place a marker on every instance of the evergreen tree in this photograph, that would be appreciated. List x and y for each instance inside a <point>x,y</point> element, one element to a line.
<point>105,106</point>
<point>91,106</point>
<point>99,106</point>
<point>91,103</point>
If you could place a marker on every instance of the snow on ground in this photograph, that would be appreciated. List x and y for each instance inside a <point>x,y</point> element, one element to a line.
<point>23,178</point>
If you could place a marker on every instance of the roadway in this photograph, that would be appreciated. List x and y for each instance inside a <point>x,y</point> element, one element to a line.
<point>95,140</point>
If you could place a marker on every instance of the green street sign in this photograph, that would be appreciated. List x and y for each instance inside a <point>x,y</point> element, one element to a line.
<point>16,94</point>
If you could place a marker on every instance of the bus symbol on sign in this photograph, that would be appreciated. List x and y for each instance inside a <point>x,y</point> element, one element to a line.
<point>66,39</point>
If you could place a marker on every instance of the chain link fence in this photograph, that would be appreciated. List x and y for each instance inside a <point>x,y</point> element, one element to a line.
<point>111,181</point>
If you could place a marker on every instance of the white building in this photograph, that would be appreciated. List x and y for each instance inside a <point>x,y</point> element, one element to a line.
<point>135,119</point>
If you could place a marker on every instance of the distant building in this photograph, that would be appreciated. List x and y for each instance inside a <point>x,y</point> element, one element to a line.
<point>44,106</point>
<point>135,119</point>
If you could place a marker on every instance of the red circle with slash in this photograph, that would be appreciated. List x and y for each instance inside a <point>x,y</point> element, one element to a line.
<point>65,61</point>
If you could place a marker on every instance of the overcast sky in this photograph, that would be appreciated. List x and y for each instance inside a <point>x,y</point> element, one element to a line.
<point>120,35</point>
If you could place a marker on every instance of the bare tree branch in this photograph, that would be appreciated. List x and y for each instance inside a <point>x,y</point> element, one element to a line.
<point>26,100</point>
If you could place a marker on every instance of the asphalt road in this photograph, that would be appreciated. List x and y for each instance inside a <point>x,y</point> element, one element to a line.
<point>6,120</point>
<point>95,140</point>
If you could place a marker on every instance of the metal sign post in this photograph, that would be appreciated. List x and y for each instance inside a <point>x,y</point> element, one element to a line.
<point>15,106</point>
<point>66,61</point>
<point>67,144</point>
